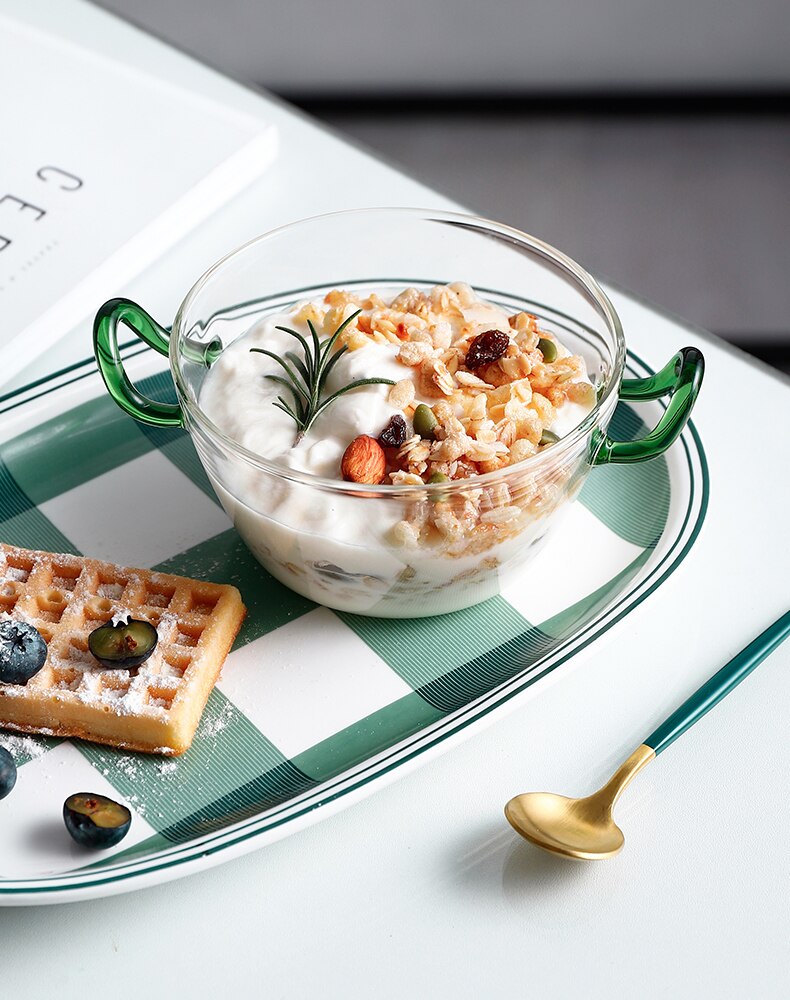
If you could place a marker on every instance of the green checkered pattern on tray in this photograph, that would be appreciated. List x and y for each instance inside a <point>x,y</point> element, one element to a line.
<point>236,768</point>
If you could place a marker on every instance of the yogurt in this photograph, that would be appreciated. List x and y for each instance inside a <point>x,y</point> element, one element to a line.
<point>349,551</point>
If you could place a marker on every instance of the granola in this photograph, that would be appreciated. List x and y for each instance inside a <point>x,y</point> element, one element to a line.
<point>493,383</point>
<point>490,386</point>
<point>463,388</point>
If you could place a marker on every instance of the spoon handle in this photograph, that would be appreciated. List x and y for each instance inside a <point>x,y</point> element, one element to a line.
<point>719,685</point>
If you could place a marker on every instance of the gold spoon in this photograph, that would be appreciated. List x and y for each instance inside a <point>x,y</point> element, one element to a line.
<point>585,828</point>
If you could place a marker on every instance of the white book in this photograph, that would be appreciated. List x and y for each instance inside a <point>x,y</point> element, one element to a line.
<point>102,169</point>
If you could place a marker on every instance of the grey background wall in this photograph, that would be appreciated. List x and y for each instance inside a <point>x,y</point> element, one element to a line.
<point>376,46</point>
<point>688,208</point>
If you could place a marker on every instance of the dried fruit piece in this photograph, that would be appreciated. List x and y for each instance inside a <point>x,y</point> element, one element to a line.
<point>394,434</point>
<point>485,348</point>
<point>364,461</point>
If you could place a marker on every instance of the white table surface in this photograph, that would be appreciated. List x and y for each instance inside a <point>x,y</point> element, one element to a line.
<point>423,890</point>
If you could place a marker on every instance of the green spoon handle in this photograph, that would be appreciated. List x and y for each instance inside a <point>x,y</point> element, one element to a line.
<point>720,685</point>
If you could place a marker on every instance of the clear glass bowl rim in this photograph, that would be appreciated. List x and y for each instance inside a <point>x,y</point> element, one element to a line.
<point>566,445</point>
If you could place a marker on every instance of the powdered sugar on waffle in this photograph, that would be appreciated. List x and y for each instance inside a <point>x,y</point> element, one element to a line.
<point>66,597</point>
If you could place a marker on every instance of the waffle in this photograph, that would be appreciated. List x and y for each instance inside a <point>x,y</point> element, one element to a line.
<point>154,707</point>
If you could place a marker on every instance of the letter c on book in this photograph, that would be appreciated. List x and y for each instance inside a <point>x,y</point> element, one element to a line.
<point>44,172</point>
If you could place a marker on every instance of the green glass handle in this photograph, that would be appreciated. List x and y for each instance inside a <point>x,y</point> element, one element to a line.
<point>108,358</point>
<point>682,377</point>
<point>720,685</point>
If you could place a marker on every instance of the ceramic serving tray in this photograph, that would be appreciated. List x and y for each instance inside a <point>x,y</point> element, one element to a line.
<point>315,709</point>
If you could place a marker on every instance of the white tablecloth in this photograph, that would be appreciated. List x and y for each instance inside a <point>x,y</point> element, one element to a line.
<point>422,889</point>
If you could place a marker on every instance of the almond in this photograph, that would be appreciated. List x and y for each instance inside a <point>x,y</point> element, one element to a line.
<point>364,461</point>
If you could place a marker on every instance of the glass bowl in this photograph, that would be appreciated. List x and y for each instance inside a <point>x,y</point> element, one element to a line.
<point>405,551</point>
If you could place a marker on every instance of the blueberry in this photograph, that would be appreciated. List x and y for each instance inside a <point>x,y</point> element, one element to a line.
<point>124,644</point>
<point>23,651</point>
<point>95,820</point>
<point>7,772</point>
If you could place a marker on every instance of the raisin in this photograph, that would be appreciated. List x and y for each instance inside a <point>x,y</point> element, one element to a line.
<point>485,348</point>
<point>394,434</point>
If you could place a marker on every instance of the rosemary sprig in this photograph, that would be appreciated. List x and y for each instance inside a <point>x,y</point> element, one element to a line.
<point>305,376</point>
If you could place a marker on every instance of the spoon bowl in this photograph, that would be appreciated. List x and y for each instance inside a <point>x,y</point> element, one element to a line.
<point>575,828</point>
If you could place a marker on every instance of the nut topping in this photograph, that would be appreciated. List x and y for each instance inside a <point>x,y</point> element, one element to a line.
<point>364,461</point>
